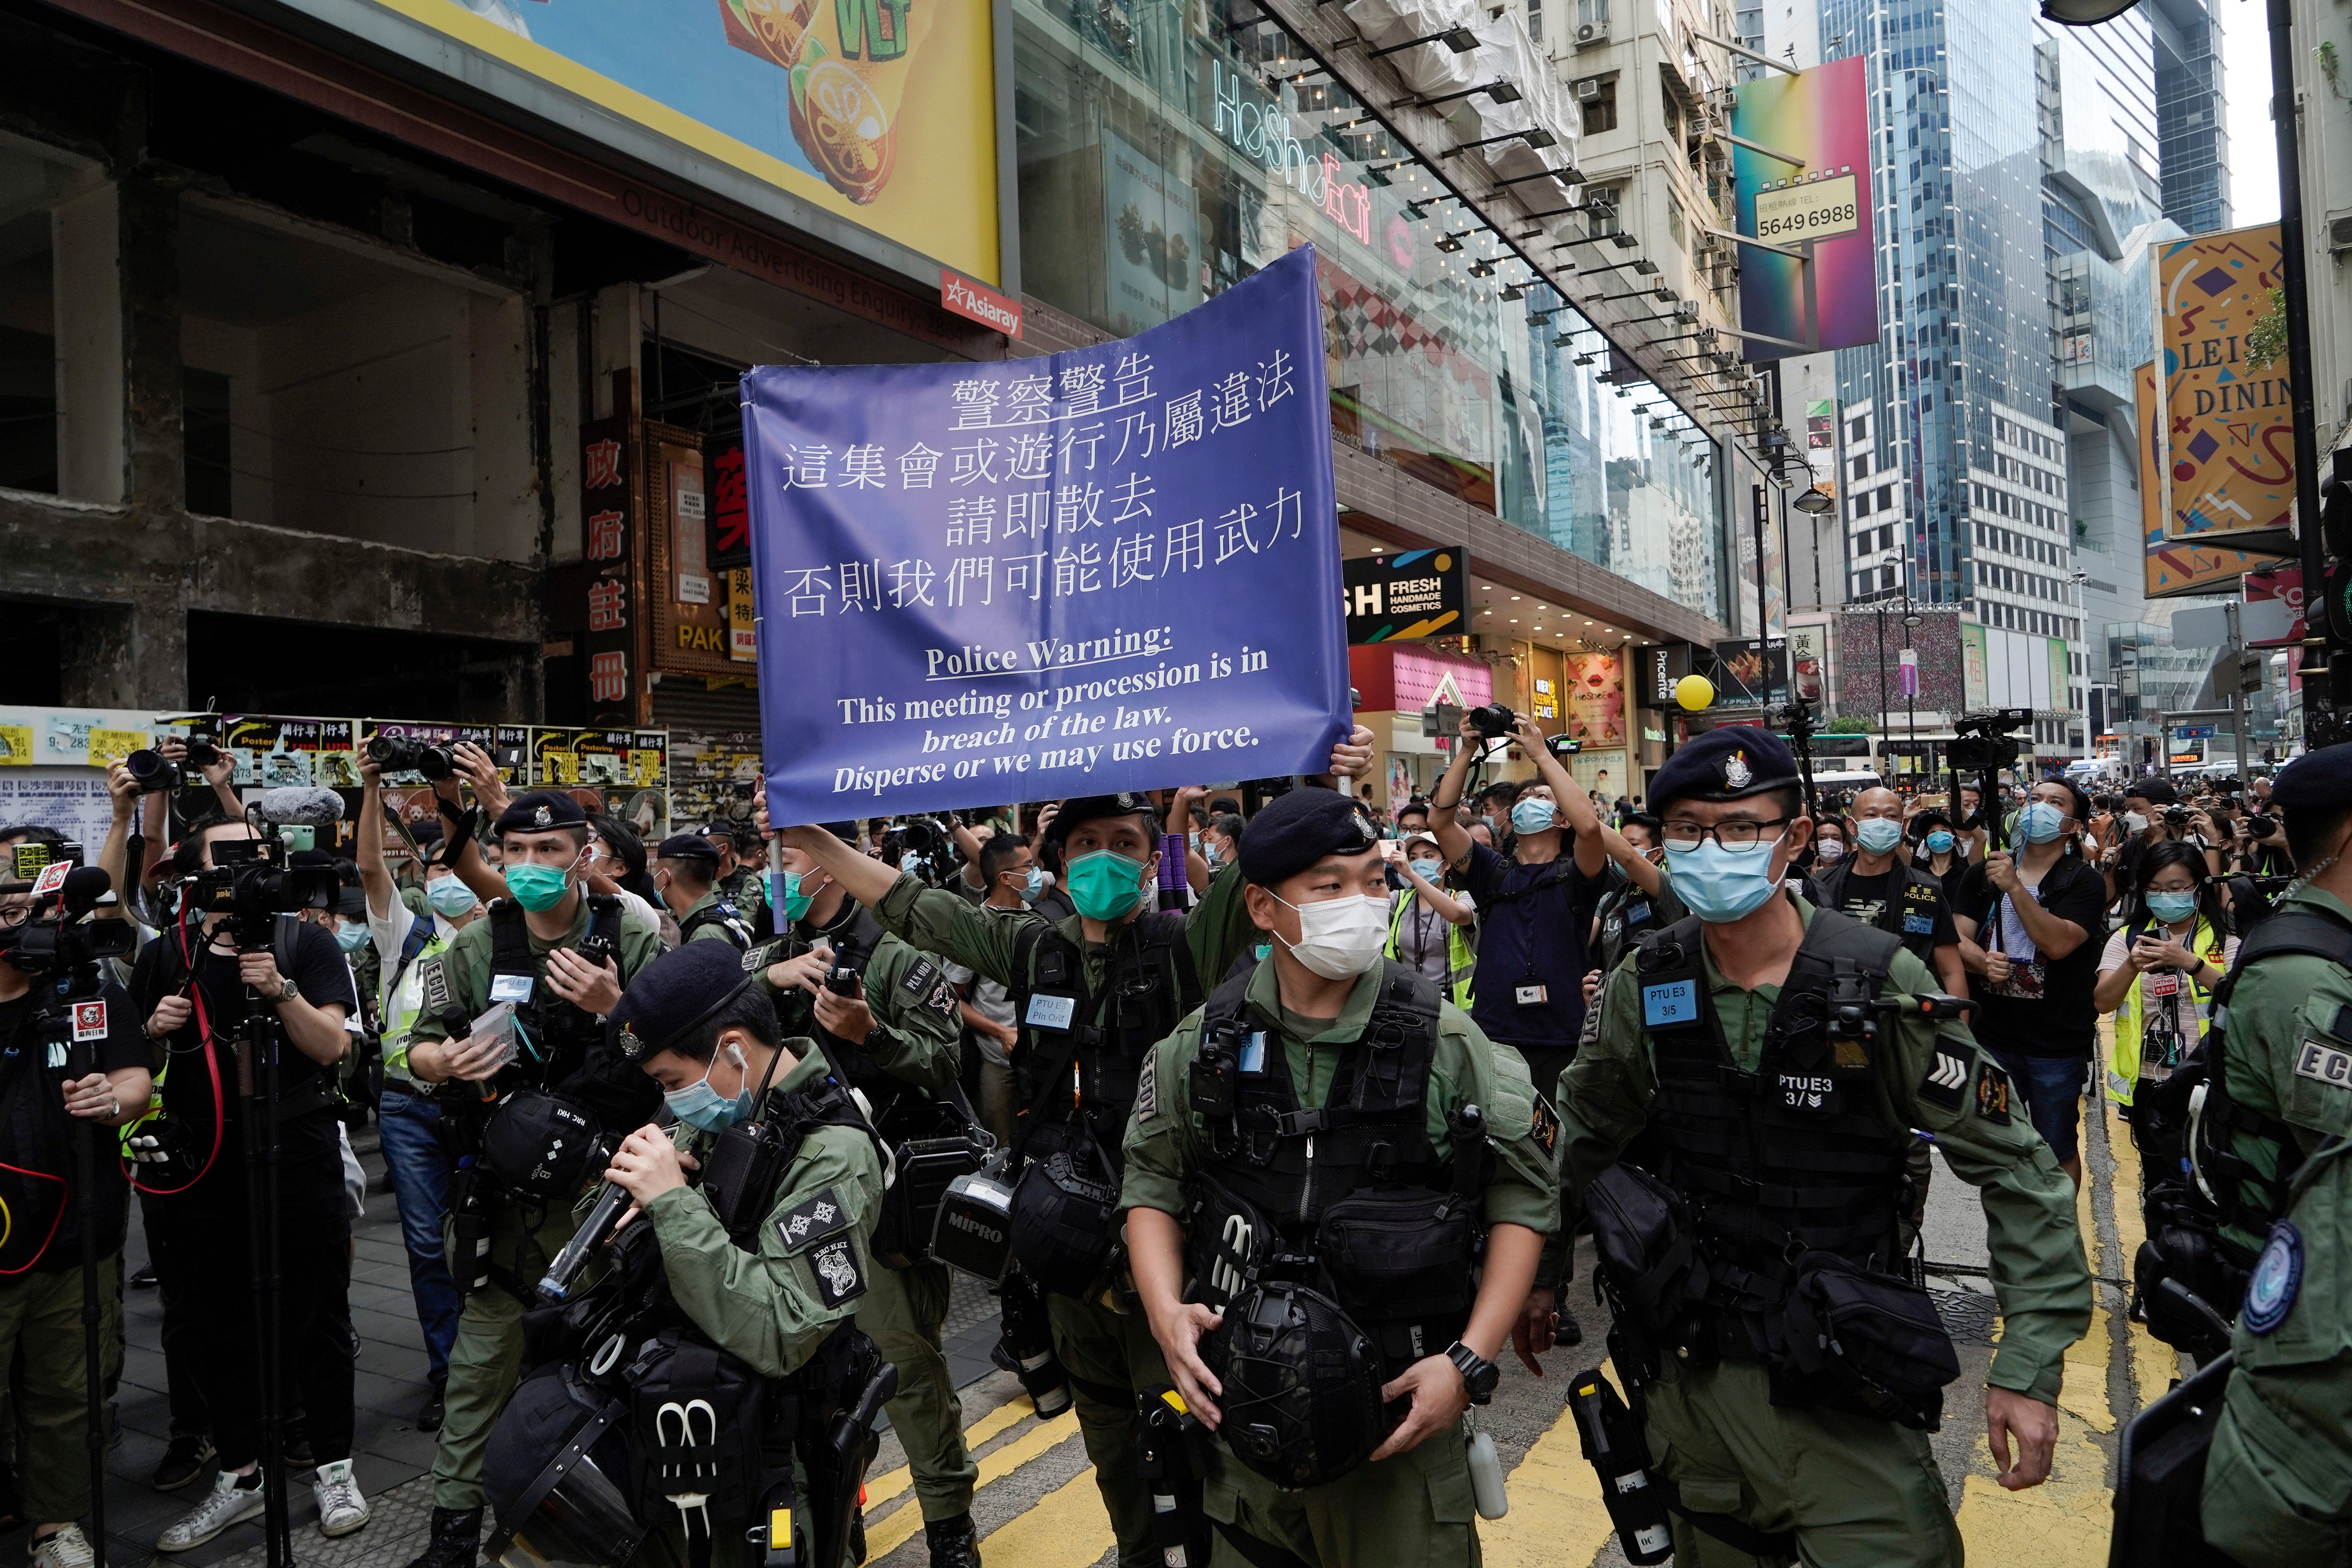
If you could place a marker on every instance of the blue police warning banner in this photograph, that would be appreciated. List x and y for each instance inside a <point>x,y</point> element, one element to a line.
<point>1113,568</point>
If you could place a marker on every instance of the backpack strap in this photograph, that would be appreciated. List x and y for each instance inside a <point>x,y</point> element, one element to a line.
<point>511,940</point>
<point>420,931</point>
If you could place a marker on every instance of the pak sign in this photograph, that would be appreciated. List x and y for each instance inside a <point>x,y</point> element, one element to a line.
<point>1416,594</point>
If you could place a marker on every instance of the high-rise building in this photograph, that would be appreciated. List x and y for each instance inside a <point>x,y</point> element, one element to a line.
<point>2192,133</point>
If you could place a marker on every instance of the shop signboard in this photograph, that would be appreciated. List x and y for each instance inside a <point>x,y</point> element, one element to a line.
<point>1409,595</point>
<point>610,548</point>
<point>2226,459</point>
<point>1595,698</point>
<point>1750,671</point>
<point>2174,567</point>
<point>1658,668</point>
<point>1109,568</point>
<point>1820,207</point>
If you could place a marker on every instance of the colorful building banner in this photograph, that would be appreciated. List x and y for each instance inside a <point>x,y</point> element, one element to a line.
<point>1821,206</point>
<point>1112,568</point>
<point>2226,464</point>
<point>879,111</point>
<point>2174,567</point>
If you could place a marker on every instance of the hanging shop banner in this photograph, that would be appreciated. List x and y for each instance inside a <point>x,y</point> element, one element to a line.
<point>2174,566</point>
<point>1110,568</point>
<point>1411,594</point>
<point>1751,672</point>
<point>882,112</point>
<point>1818,208</point>
<point>2226,462</point>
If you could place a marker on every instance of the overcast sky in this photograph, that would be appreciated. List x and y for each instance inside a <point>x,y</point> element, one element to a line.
<point>2246,83</point>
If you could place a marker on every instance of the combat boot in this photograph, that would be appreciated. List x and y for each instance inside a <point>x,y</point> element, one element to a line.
<point>953,1542</point>
<point>456,1539</point>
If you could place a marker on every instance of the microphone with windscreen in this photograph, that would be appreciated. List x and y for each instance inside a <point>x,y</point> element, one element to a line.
<point>305,806</point>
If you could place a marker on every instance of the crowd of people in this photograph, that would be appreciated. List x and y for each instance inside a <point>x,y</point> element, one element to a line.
<point>1510,1011</point>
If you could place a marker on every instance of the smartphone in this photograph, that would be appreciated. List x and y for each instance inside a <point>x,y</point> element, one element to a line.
<point>1392,851</point>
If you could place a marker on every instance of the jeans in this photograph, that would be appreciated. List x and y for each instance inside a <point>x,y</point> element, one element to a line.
<point>420,1186</point>
<point>2053,1088</point>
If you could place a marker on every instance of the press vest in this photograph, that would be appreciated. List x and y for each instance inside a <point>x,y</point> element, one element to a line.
<point>403,998</point>
<point>1082,1052</point>
<point>2131,1021</point>
<point>1460,958</point>
<point>1793,1156</point>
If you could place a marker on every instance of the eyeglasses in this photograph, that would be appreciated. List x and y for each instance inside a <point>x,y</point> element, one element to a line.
<point>14,915</point>
<point>1684,835</point>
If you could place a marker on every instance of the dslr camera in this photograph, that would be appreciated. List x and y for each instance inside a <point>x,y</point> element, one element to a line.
<point>252,884</point>
<point>1493,720</point>
<point>155,772</point>
<point>404,754</point>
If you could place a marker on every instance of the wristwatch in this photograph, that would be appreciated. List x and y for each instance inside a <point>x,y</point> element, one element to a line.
<point>285,990</point>
<point>1479,1375</point>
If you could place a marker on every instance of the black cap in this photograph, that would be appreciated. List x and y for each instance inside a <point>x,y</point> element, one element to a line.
<point>2316,781</point>
<point>1728,764</point>
<point>1087,808</point>
<point>1300,828</point>
<point>541,810</point>
<point>2156,792</point>
<point>353,902</point>
<point>688,847</point>
<point>674,995</point>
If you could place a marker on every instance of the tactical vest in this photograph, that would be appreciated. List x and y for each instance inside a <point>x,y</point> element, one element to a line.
<point>1082,1051</point>
<point>720,912</point>
<point>1627,915</point>
<point>1352,1193</point>
<point>853,941</point>
<point>1909,915</point>
<point>2242,1197</point>
<point>560,1034</point>
<point>1792,1156</point>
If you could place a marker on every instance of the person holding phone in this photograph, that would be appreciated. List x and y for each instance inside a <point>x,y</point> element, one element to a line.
<point>2159,969</point>
<point>1430,929</point>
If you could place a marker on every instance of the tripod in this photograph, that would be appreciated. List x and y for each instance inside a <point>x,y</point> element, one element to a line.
<point>259,1040</point>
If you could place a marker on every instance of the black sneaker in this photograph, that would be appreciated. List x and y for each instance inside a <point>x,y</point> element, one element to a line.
<point>953,1542</point>
<point>428,1418</point>
<point>295,1446</point>
<point>457,1540</point>
<point>187,1457</point>
<point>145,1279</point>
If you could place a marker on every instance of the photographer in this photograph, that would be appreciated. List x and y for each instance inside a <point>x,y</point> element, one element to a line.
<point>563,956</point>
<point>1534,908</point>
<point>191,986</point>
<point>42,1113</point>
<point>2152,815</point>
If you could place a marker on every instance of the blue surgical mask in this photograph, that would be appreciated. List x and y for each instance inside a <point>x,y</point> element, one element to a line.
<point>2172,907</point>
<point>450,896</point>
<point>1877,834</point>
<point>2040,823</point>
<point>704,1108</point>
<point>1427,871</point>
<point>1716,885</point>
<point>352,935</point>
<point>1532,816</point>
<point>1939,842</point>
<point>1035,888</point>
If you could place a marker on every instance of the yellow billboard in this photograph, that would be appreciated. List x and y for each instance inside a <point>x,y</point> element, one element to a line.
<point>882,112</point>
<point>2174,566</point>
<point>2227,459</point>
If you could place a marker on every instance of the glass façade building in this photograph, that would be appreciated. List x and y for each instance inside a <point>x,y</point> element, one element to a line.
<point>1169,148</point>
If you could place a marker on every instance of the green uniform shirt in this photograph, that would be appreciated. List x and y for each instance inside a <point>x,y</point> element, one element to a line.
<point>1167,1142</point>
<point>711,930</point>
<point>1217,929</point>
<point>2038,1270</point>
<point>2276,1007</point>
<point>464,972</point>
<point>774,1307</point>
<point>917,1035</point>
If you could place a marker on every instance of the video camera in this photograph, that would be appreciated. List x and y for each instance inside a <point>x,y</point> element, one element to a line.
<point>59,938</point>
<point>402,755</point>
<point>930,841</point>
<point>251,882</point>
<point>1984,743</point>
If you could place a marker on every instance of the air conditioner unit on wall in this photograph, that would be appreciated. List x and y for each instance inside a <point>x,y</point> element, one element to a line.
<point>1588,89</point>
<point>2339,234</point>
<point>1591,35</point>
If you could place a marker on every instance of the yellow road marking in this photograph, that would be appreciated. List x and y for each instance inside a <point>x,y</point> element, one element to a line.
<point>1557,1517</point>
<point>1066,1528</point>
<point>890,1484</point>
<point>2065,1521</point>
<point>885,1535</point>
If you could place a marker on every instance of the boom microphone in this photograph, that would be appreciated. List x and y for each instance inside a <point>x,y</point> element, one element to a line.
<point>300,805</point>
<point>84,887</point>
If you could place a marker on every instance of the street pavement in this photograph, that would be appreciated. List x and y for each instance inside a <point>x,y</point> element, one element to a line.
<point>1037,1507</point>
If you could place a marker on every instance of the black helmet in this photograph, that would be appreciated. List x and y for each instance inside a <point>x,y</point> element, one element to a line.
<point>1302,1385</point>
<point>556,1474</point>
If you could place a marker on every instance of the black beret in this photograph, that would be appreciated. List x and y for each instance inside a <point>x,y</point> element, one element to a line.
<point>1728,764</point>
<point>1087,808</point>
<point>688,847</point>
<point>2156,792</point>
<point>2316,781</point>
<point>674,995</point>
<point>1300,828</point>
<point>541,810</point>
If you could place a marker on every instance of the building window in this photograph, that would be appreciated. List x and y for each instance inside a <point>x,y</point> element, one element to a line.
<point>1886,537</point>
<point>1534,20</point>
<point>1886,498</point>
<point>1887,577</point>
<point>1858,430</point>
<point>1600,106</point>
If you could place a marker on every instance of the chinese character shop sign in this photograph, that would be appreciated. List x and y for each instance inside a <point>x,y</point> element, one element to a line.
<point>610,644</point>
<point>1112,568</point>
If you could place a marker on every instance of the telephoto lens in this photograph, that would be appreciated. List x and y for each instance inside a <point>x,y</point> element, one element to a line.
<point>400,754</point>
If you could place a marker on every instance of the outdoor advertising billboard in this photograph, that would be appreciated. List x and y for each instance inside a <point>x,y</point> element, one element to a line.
<point>1802,171</point>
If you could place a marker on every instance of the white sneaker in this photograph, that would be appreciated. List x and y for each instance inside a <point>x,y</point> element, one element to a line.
<point>341,1509</point>
<point>227,1504</point>
<point>66,1549</point>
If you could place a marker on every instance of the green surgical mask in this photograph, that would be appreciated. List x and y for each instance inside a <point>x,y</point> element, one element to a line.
<point>796,903</point>
<point>537,887</point>
<point>1105,886</point>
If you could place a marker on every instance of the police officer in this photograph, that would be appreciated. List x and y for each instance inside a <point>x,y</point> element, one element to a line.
<point>685,872</point>
<point>740,878</point>
<point>1850,1488</point>
<point>1094,993</point>
<point>1330,1088</point>
<point>896,1036</point>
<point>708,1035</point>
<point>528,951</point>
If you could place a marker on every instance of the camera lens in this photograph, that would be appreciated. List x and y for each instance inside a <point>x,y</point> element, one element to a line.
<point>150,768</point>
<point>435,762</point>
<point>1493,720</point>
<point>393,753</point>
<point>202,753</point>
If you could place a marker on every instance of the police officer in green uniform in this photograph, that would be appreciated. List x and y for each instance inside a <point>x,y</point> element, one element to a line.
<point>1093,995</point>
<point>1786,1139</point>
<point>686,873</point>
<point>529,950</point>
<point>697,1023</point>
<point>1320,1091</point>
<point>897,1038</point>
<point>742,878</point>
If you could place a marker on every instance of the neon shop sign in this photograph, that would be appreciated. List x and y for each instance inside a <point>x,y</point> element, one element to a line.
<point>1261,131</point>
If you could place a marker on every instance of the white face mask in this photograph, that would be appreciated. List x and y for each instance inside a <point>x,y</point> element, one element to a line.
<point>1340,938</point>
<point>2136,821</point>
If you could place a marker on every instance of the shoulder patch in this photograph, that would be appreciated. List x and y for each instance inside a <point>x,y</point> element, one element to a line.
<point>813,1220</point>
<point>1146,1087</point>
<point>2278,1278</point>
<point>838,1278</point>
<point>943,1001</point>
<point>918,977</point>
<point>1547,1127</point>
<point>2323,1063</point>
<point>435,975</point>
<point>1945,1081</point>
<point>1992,1095</point>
